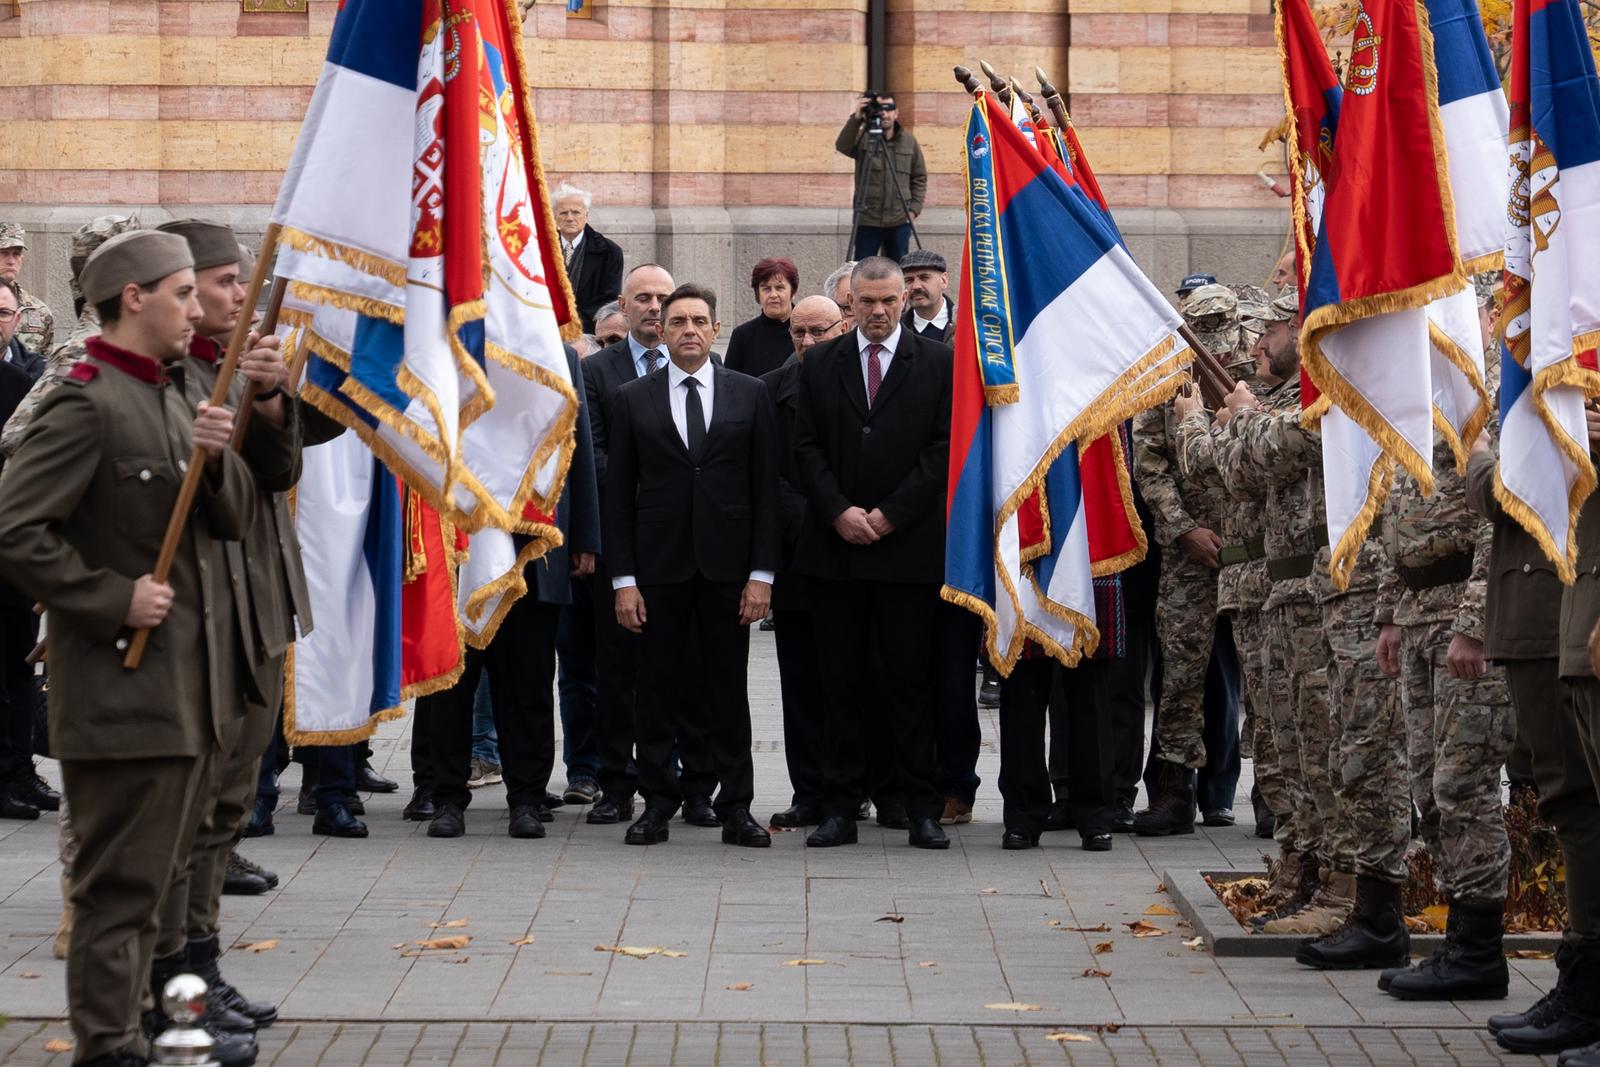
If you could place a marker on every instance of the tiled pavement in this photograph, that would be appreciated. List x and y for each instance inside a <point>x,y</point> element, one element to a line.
<point>982,933</point>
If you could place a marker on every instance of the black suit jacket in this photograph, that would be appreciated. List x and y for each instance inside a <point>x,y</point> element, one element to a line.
<point>893,457</point>
<point>783,386</point>
<point>598,278</point>
<point>669,517</point>
<point>604,373</point>
<point>577,514</point>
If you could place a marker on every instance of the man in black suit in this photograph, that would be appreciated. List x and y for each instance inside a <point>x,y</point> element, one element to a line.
<point>616,650</point>
<point>814,320</point>
<point>594,261</point>
<point>521,663</point>
<point>930,312</point>
<point>691,521</point>
<point>872,438</point>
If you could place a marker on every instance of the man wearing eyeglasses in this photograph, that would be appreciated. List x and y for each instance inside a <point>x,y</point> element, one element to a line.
<point>16,353</point>
<point>812,320</point>
<point>35,326</point>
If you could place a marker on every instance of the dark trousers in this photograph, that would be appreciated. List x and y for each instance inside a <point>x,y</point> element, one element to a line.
<point>896,686</point>
<point>19,631</point>
<point>683,695</point>
<point>891,241</point>
<point>1218,780</point>
<point>955,702</point>
<point>1074,701</point>
<point>521,665</point>
<point>1130,678</point>
<point>575,682</point>
<point>273,762</point>
<point>1560,720</point>
<point>333,769</point>
<point>800,679</point>
<point>423,773</point>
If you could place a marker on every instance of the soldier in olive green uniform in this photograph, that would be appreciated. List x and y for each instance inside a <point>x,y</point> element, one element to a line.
<point>1459,721</point>
<point>84,505</point>
<point>37,329</point>
<point>1187,513</point>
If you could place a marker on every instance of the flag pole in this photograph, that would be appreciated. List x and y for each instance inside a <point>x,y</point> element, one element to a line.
<point>1001,87</point>
<point>269,325</point>
<point>197,458</point>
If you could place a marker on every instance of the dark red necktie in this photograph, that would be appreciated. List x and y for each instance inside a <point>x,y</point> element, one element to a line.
<point>874,372</point>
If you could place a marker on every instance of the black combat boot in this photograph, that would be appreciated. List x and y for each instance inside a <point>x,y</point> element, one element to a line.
<point>1569,1018</point>
<point>1446,944</point>
<point>203,961</point>
<point>1474,968</point>
<point>1171,810</point>
<point>1542,1008</point>
<point>1374,935</point>
<point>228,1050</point>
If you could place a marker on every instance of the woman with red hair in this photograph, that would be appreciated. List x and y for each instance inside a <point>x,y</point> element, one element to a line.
<point>762,344</point>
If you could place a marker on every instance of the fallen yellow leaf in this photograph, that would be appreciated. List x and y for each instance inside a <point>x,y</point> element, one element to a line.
<point>28,974</point>
<point>454,941</point>
<point>522,941</point>
<point>928,963</point>
<point>1102,947</point>
<point>451,924</point>
<point>1159,909</point>
<point>259,946</point>
<point>1436,916</point>
<point>810,963</point>
<point>641,953</point>
<point>56,1044</point>
<point>740,987</point>
<point>1013,1006</point>
<point>1531,954</point>
<point>1141,928</point>
<point>1067,1035</point>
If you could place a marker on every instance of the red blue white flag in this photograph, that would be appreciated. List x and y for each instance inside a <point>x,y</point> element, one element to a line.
<point>1552,277</point>
<point>1060,339</point>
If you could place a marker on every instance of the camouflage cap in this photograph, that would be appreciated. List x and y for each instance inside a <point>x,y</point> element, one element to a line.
<point>1284,308</point>
<point>1215,305</point>
<point>12,235</point>
<point>1483,286</point>
<point>90,236</point>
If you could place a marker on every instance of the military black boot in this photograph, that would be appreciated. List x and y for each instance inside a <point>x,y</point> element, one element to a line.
<point>1474,968</point>
<point>1446,944</point>
<point>1539,1014</point>
<point>1171,810</point>
<point>1569,1018</point>
<point>1374,935</point>
<point>203,961</point>
<point>228,1050</point>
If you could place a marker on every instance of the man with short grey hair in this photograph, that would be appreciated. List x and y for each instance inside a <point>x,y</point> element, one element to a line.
<point>837,287</point>
<point>610,324</point>
<point>594,262</point>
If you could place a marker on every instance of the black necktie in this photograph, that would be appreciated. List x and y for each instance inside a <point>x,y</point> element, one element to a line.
<point>695,416</point>
<point>652,361</point>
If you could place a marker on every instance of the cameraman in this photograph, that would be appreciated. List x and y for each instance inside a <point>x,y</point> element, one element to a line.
<point>885,208</point>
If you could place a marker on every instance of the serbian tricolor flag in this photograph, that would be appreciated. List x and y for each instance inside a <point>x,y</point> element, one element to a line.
<point>1552,277</point>
<point>416,225</point>
<point>1386,249</point>
<point>1060,339</point>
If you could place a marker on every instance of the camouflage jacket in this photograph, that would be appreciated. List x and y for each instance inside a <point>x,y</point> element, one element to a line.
<point>56,366</point>
<point>37,327</point>
<point>1240,586</point>
<point>1177,503</point>
<point>1419,531</point>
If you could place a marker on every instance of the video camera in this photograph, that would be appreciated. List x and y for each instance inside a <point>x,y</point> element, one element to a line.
<point>873,113</point>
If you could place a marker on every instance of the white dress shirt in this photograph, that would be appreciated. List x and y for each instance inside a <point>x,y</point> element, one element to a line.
<point>884,357</point>
<point>678,402</point>
<point>569,247</point>
<point>938,322</point>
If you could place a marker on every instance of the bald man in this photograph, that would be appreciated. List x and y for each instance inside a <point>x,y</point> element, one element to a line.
<point>813,320</point>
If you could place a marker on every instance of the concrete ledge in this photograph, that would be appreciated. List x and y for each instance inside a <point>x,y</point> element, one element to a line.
<point>1225,937</point>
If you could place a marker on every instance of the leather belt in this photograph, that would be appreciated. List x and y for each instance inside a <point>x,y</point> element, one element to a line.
<point>1447,571</point>
<point>1255,548</point>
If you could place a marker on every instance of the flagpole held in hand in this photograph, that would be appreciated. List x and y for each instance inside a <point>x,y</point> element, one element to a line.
<point>269,325</point>
<point>197,458</point>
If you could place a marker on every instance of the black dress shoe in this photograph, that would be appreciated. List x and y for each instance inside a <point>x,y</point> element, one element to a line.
<point>370,781</point>
<point>697,812</point>
<point>13,808</point>
<point>336,821</point>
<point>1059,817</point>
<point>610,810</point>
<point>420,808</point>
<point>834,831</point>
<point>239,881</point>
<point>1018,840</point>
<point>740,829</point>
<point>797,815</point>
<point>1097,841</point>
<point>927,833</point>
<point>449,820</point>
<point>260,824</point>
<point>553,801</point>
<point>649,829</point>
<point>356,805</point>
<point>1217,817</point>
<point>543,813</point>
<point>31,789</point>
<point>1122,817</point>
<point>893,816</point>
<point>525,822</point>
<point>219,1018</point>
<point>864,812</point>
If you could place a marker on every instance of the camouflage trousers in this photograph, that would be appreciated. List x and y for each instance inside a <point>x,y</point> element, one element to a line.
<point>1302,729</point>
<point>1250,636</point>
<point>1186,621</point>
<point>1457,735</point>
<point>1373,825</point>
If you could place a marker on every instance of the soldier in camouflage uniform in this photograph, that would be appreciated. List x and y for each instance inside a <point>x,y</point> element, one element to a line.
<point>1187,513</point>
<point>37,329</point>
<point>90,236</point>
<point>1262,452</point>
<point>1459,718</point>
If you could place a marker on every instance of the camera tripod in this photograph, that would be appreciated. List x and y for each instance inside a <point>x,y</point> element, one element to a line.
<point>875,146</point>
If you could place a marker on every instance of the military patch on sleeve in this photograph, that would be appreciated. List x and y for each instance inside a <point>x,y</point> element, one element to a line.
<point>82,371</point>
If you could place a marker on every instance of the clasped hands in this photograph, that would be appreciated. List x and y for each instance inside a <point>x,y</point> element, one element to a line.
<point>862,527</point>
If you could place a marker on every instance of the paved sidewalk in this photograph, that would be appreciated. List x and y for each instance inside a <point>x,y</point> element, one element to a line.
<point>983,935</point>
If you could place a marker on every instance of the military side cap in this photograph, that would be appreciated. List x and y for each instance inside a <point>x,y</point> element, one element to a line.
<point>138,257</point>
<point>923,259</point>
<point>12,235</point>
<point>1209,299</point>
<point>212,244</point>
<point>1195,281</point>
